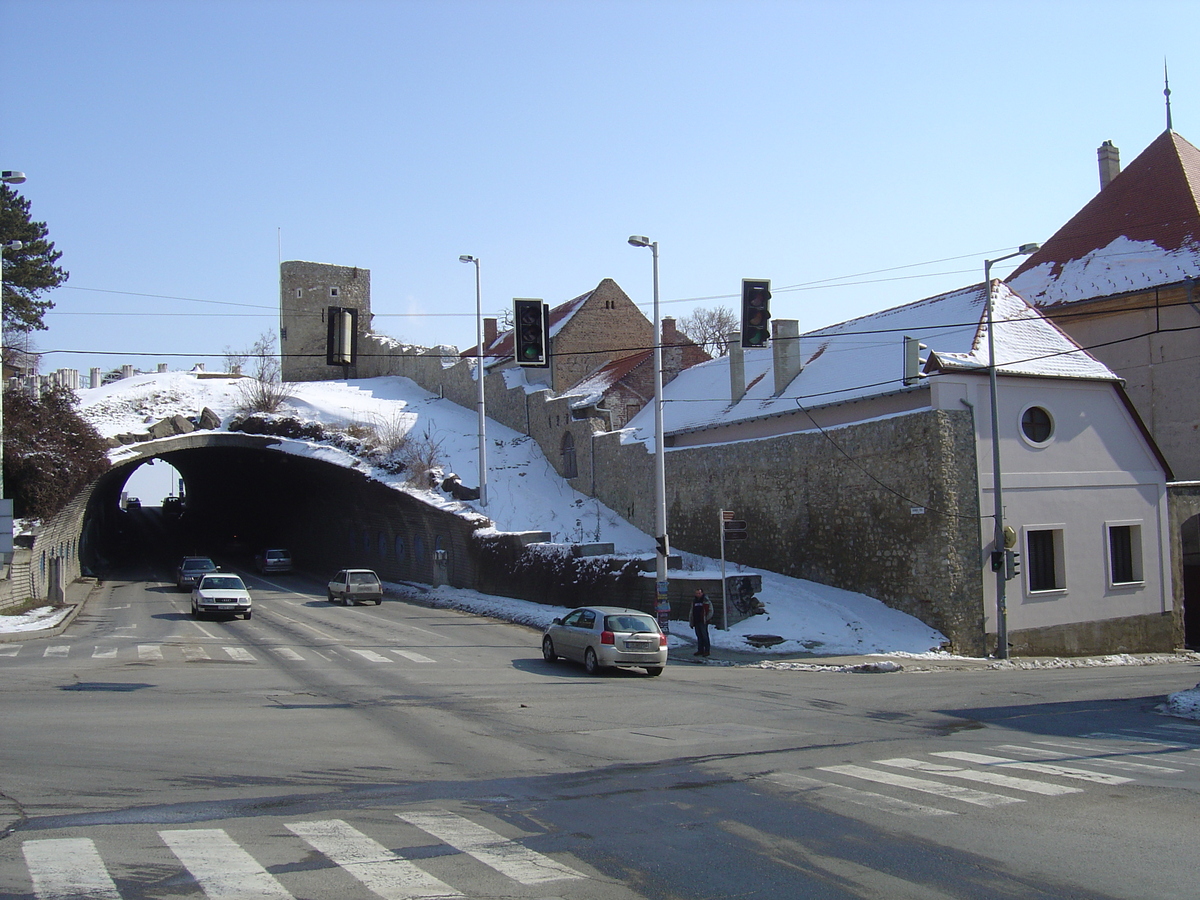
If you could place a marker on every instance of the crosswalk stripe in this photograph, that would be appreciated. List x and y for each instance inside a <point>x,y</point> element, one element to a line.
<point>150,652</point>
<point>1091,758</point>
<point>241,654</point>
<point>224,870</point>
<point>369,655</point>
<point>194,653</point>
<point>862,798</point>
<point>66,868</point>
<point>950,791</point>
<point>387,874</point>
<point>59,650</point>
<point>104,653</point>
<point>1043,768</point>
<point>505,856</point>
<point>412,656</point>
<point>10,650</point>
<point>996,779</point>
<point>287,653</point>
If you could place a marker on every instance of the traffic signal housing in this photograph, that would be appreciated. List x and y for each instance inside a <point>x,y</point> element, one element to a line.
<point>531,333</point>
<point>756,312</point>
<point>1012,564</point>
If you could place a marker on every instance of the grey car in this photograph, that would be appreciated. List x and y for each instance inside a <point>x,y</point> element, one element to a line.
<point>191,569</point>
<point>607,637</point>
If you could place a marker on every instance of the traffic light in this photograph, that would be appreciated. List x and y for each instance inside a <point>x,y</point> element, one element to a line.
<point>912,359</point>
<point>1012,564</point>
<point>663,545</point>
<point>756,312</point>
<point>531,333</point>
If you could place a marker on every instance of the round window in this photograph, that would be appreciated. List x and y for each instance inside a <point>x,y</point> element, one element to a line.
<point>1037,425</point>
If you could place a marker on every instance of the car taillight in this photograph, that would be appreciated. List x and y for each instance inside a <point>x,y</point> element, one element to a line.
<point>662,639</point>
<point>607,637</point>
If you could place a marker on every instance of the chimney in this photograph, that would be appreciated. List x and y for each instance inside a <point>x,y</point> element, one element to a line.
<point>489,333</point>
<point>672,352</point>
<point>737,366</point>
<point>670,334</point>
<point>785,349</point>
<point>1110,163</point>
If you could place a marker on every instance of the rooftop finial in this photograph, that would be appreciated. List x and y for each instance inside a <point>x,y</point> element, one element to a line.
<point>1167,93</point>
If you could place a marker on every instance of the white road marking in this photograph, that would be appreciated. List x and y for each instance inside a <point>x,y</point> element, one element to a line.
<point>286,653</point>
<point>104,653</point>
<point>369,655</point>
<point>1090,758</point>
<point>194,653</point>
<point>241,654</point>
<point>150,652</point>
<point>58,651</point>
<point>1044,768</point>
<point>949,791</point>
<point>387,874</point>
<point>224,870</point>
<point>505,856</point>
<point>868,799</point>
<point>411,656</point>
<point>996,779</point>
<point>10,650</point>
<point>67,868</point>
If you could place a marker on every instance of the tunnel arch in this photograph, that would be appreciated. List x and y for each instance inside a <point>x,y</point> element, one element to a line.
<point>247,492</point>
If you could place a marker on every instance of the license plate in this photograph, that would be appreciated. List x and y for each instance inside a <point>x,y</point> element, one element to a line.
<point>637,645</point>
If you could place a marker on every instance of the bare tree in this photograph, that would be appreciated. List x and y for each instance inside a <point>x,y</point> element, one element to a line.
<point>709,327</point>
<point>264,391</point>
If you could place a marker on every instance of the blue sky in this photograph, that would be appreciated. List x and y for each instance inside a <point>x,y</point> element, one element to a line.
<point>177,149</point>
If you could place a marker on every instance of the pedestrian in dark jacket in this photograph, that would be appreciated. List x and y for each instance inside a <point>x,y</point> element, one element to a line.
<point>702,612</point>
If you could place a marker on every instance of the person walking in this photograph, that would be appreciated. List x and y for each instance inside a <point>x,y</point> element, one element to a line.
<point>702,613</point>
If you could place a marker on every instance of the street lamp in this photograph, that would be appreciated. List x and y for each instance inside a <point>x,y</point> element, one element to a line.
<point>479,376</point>
<point>660,471</point>
<point>997,495</point>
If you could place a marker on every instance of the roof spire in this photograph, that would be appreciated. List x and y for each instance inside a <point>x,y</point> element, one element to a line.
<point>1167,93</point>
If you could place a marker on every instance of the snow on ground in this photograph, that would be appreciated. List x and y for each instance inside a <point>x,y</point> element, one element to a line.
<point>1185,704</point>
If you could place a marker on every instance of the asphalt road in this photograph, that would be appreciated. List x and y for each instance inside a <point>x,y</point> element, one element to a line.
<point>318,751</point>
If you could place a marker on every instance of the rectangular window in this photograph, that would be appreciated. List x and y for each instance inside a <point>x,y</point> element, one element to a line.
<point>1124,553</point>
<point>1045,559</point>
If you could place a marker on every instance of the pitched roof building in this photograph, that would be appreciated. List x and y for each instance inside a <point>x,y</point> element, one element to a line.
<point>1121,278</point>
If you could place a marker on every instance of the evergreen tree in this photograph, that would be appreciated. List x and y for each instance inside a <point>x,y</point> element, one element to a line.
<point>30,271</point>
<point>50,451</point>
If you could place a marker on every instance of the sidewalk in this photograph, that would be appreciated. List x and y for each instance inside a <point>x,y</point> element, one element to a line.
<point>77,594</point>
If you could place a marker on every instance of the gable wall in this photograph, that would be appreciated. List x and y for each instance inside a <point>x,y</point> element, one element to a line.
<point>607,326</point>
<point>1149,339</point>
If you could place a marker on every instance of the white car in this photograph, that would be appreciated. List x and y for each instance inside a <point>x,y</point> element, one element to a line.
<point>352,586</point>
<point>220,592</point>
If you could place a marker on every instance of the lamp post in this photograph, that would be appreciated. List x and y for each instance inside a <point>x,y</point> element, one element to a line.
<point>660,471</point>
<point>997,486</point>
<point>479,376</point>
<point>6,538</point>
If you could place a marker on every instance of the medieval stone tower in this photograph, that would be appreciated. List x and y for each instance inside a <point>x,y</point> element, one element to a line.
<point>309,295</point>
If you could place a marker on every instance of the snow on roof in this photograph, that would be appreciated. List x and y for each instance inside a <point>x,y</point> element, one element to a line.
<point>864,358</point>
<point>1141,231</point>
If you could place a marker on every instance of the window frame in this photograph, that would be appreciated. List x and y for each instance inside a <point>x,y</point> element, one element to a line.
<point>1021,426</point>
<point>1058,532</point>
<point>1137,561</point>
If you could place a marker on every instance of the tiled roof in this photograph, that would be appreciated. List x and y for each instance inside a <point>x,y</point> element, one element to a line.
<point>864,358</point>
<point>1141,231</point>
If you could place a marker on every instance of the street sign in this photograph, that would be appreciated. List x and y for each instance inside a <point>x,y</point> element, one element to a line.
<point>736,535</point>
<point>733,529</point>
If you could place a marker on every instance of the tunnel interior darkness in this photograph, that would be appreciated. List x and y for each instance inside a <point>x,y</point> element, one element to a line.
<point>239,500</point>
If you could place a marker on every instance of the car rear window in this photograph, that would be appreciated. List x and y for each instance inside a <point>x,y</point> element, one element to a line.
<point>199,565</point>
<point>363,578</point>
<point>278,554</point>
<point>627,623</point>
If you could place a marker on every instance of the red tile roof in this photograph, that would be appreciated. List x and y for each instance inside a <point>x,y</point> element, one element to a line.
<point>1155,199</point>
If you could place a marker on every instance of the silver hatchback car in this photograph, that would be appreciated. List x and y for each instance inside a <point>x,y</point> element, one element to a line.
<point>607,636</point>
